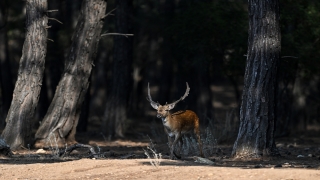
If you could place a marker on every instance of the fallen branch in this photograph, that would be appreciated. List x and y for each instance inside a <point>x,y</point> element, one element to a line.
<point>203,160</point>
<point>69,149</point>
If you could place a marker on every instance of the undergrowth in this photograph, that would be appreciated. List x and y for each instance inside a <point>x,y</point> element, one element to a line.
<point>52,143</point>
<point>152,155</point>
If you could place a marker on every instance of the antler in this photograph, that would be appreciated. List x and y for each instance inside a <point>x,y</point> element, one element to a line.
<point>153,104</point>
<point>171,106</point>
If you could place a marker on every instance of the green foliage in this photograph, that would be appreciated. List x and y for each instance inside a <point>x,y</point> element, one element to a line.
<point>211,31</point>
<point>300,36</point>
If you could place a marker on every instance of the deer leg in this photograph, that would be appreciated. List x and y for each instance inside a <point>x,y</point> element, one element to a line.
<point>179,150</point>
<point>180,145</point>
<point>197,133</point>
<point>169,138</point>
<point>177,138</point>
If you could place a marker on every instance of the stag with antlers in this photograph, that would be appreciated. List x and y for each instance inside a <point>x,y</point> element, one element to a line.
<point>178,123</point>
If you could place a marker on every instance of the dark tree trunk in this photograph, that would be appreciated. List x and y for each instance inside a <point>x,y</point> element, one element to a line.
<point>85,109</point>
<point>258,108</point>
<point>5,69</point>
<point>116,106</point>
<point>54,61</point>
<point>63,114</point>
<point>285,98</point>
<point>204,98</point>
<point>166,71</point>
<point>200,97</point>
<point>27,89</point>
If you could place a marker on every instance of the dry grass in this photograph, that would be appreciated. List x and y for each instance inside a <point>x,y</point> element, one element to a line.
<point>154,158</point>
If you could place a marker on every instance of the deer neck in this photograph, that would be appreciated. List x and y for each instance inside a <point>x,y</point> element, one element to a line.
<point>166,119</point>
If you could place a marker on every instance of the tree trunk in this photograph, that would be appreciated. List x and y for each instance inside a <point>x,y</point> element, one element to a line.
<point>27,89</point>
<point>204,98</point>
<point>116,107</point>
<point>85,109</point>
<point>54,61</point>
<point>165,71</point>
<point>258,112</point>
<point>64,111</point>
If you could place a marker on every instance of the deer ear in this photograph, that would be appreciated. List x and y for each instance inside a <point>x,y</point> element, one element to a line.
<point>170,106</point>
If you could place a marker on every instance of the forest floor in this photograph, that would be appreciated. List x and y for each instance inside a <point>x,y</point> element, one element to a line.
<point>126,159</point>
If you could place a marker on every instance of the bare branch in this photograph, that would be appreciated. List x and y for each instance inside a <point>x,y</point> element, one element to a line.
<point>116,34</point>
<point>75,146</point>
<point>109,13</point>
<point>50,40</point>
<point>295,57</point>
<point>290,57</point>
<point>55,20</point>
<point>54,10</point>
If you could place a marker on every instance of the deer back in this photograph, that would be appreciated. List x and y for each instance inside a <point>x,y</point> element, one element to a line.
<point>184,120</point>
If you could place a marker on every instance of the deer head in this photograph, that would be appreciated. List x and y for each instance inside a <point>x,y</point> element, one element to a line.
<point>163,110</point>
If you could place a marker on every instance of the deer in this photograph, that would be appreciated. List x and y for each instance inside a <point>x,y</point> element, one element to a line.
<point>177,124</point>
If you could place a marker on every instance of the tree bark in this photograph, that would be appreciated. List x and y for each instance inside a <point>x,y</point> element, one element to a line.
<point>64,111</point>
<point>85,110</point>
<point>116,106</point>
<point>258,107</point>
<point>27,88</point>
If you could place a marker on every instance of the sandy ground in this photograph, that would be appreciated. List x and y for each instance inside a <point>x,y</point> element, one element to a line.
<point>126,159</point>
<point>142,169</point>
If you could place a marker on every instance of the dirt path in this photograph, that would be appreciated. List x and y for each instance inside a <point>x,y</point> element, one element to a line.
<point>142,169</point>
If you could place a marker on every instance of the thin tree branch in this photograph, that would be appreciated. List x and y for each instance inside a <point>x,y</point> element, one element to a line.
<point>54,19</point>
<point>109,13</point>
<point>295,57</point>
<point>116,34</point>
<point>54,10</point>
<point>290,57</point>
